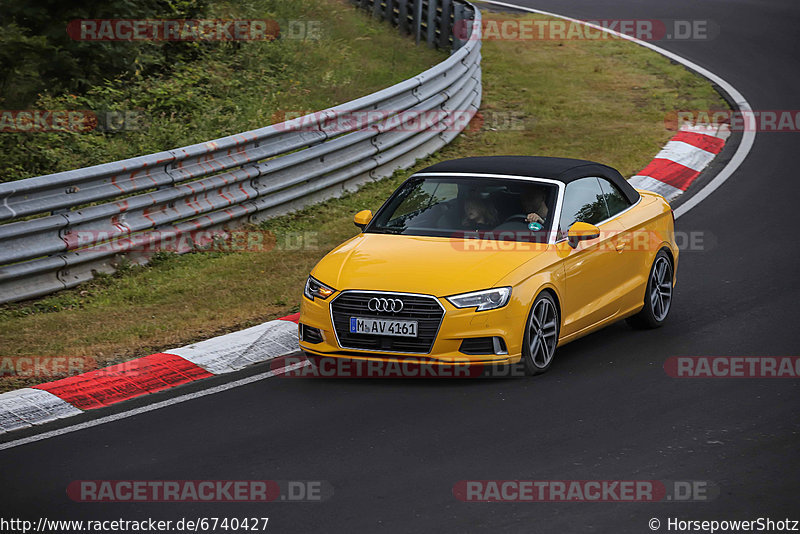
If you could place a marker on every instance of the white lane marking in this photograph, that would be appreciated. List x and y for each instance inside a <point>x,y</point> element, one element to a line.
<point>151,407</point>
<point>748,136</point>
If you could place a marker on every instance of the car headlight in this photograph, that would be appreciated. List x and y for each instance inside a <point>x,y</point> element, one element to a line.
<point>314,288</point>
<point>488,299</point>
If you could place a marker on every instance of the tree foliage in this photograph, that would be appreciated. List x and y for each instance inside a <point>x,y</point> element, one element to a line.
<point>37,55</point>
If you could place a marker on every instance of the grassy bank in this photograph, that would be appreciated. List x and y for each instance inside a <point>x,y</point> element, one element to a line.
<point>600,100</point>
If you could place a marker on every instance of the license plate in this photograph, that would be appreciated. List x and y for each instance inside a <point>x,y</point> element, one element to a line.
<point>383,327</point>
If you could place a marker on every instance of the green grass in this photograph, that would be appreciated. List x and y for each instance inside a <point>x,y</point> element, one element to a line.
<point>604,101</point>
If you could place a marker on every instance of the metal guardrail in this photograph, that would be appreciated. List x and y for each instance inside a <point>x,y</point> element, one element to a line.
<point>58,230</point>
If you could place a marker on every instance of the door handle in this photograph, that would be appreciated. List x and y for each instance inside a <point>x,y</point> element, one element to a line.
<point>621,245</point>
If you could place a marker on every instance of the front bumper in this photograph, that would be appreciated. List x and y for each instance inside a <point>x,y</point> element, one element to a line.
<point>456,326</point>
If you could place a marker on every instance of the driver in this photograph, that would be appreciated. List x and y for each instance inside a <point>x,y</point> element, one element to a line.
<point>534,205</point>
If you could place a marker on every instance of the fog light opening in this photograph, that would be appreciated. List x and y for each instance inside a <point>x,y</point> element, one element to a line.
<point>309,334</point>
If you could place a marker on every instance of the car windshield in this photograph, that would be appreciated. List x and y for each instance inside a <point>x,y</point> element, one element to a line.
<point>489,208</point>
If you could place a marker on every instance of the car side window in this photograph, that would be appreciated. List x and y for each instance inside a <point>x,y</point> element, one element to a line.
<point>584,201</point>
<point>615,200</point>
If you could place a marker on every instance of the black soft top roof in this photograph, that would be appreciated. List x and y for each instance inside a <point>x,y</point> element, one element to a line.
<point>560,169</point>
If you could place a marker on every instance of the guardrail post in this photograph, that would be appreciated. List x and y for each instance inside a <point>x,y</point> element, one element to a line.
<point>460,28</point>
<point>431,22</point>
<point>402,16</point>
<point>417,20</point>
<point>388,11</point>
<point>445,24</point>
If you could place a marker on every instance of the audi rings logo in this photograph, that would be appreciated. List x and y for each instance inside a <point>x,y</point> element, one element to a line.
<point>385,305</point>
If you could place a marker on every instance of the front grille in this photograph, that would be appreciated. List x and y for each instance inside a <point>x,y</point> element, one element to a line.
<point>426,310</point>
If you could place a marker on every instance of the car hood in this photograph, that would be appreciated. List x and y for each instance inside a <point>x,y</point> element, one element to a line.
<point>414,264</point>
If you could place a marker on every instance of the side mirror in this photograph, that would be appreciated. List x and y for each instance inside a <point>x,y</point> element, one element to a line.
<point>362,218</point>
<point>581,231</point>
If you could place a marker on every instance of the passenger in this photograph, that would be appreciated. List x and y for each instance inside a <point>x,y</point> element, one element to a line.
<point>479,212</point>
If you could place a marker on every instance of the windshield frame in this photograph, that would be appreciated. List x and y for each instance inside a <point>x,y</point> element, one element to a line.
<point>552,233</point>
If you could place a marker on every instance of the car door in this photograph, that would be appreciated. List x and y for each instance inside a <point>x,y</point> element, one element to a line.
<point>593,272</point>
<point>631,271</point>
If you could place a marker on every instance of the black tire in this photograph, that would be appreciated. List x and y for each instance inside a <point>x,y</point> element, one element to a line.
<point>541,335</point>
<point>657,304</point>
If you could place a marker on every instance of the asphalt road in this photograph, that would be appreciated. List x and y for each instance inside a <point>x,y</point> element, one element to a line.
<point>392,450</point>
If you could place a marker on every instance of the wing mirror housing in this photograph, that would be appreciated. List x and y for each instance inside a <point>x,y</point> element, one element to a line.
<point>362,218</point>
<point>581,231</point>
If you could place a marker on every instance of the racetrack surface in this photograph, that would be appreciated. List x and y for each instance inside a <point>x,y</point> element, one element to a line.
<point>393,449</point>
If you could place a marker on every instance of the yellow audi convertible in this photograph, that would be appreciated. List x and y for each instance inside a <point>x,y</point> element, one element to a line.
<point>493,260</point>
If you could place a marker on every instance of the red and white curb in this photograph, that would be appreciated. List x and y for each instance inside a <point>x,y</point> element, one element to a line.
<point>73,395</point>
<point>682,160</point>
